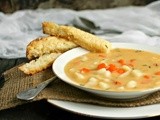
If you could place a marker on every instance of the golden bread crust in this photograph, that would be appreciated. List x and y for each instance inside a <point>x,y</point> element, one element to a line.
<point>82,38</point>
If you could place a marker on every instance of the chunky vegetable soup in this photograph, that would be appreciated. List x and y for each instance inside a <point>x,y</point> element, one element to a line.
<point>120,70</point>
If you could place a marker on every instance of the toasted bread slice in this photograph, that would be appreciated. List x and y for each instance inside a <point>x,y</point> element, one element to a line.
<point>82,38</point>
<point>46,45</point>
<point>43,62</point>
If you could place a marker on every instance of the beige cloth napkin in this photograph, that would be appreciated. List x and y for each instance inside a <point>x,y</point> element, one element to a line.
<point>16,81</point>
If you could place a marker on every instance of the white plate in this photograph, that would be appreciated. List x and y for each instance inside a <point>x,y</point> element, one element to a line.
<point>62,60</point>
<point>109,112</point>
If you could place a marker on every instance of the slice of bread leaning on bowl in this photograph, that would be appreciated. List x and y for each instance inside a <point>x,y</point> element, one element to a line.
<point>43,51</point>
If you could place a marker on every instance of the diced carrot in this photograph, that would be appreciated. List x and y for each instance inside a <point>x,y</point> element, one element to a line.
<point>120,71</point>
<point>112,67</point>
<point>84,70</point>
<point>101,65</point>
<point>122,62</point>
<point>147,76</point>
<point>157,73</point>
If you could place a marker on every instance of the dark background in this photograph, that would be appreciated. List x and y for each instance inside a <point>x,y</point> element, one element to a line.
<point>10,6</point>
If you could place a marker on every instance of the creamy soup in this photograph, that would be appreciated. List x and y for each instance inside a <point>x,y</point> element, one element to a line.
<point>120,70</point>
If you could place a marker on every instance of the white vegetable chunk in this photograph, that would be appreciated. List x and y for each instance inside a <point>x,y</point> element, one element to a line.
<point>107,73</point>
<point>103,85</point>
<point>91,82</point>
<point>101,71</point>
<point>126,68</point>
<point>132,84</point>
<point>79,75</point>
<point>121,88</point>
<point>137,73</point>
<point>104,72</point>
<point>125,74</point>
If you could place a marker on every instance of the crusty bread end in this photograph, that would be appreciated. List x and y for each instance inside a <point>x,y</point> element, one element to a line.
<point>39,64</point>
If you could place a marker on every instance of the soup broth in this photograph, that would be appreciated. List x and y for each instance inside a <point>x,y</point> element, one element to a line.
<point>120,70</point>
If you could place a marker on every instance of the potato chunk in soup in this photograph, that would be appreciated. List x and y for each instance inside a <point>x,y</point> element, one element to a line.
<point>120,70</point>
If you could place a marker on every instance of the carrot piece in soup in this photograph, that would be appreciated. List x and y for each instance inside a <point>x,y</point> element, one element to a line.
<point>112,68</point>
<point>120,71</point>
<point>147,76</point>
<point>146,79</point>
<point>157,73</point>
<point>84,70</point>
<point>122,61</point>
<point>102,65</point>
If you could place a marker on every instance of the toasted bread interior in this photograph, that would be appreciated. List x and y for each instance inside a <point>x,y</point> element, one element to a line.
<point>46,45</point>
<point>39,64</point>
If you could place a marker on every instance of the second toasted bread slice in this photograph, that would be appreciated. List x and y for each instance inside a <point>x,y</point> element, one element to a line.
<point>46,45</point>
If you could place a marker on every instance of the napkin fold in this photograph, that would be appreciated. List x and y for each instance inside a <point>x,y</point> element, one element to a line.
<point>123,24</point>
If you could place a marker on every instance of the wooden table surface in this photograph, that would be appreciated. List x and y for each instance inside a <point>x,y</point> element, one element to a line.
<point>39,110</point>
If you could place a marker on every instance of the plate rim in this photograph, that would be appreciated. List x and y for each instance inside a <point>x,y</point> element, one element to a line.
<point>61,104</point>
